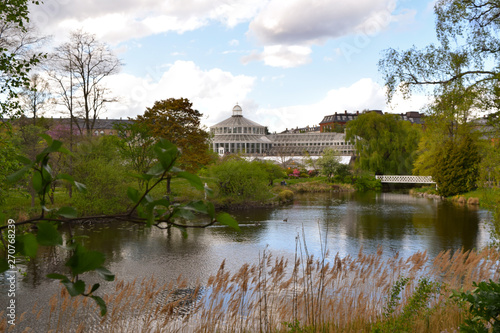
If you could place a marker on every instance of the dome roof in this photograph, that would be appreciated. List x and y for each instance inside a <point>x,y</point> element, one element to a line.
<point>237,111</point>
<point>237,121</point>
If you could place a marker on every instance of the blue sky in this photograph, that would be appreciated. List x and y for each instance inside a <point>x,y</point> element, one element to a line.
<point>287,63</point>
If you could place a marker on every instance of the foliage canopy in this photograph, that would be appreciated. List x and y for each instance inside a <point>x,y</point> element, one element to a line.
<point>384,144</point>
<point>175,120</point>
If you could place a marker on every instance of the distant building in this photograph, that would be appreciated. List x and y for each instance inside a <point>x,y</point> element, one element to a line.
<point>238,134</point>
<point>337,121</point>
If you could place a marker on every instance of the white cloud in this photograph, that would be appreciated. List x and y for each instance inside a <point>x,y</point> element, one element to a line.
<point>281,56</point>
<point>311,22</point>
<point>119,20</point>
<point>213,92</point>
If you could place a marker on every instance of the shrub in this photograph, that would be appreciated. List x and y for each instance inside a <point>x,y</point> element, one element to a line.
<point>367,183</point>
<point>98,166</point>
<point>285,196</point>
<point>484,309</point>
<point>240,179</point>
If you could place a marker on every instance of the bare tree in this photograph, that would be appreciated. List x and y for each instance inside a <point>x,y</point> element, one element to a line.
<point>35,98</point>
<point>79,68</point>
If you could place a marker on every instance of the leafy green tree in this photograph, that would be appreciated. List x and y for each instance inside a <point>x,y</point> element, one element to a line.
<point>331,166</point>
<point>136,147</point>
<point>240,180</point>
<point>97,164</point>
<point>456,166</point>
<point>384,143</point>
<point>15,61</point>
<point>273,170</point>
<point>489,168</point>
<point>8,152</point>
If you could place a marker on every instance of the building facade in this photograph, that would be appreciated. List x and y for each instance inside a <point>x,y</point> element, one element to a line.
<point>332,122</point>
<point>238,134</point>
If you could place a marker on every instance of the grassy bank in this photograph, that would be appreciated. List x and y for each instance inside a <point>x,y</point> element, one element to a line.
<point>485,197</point>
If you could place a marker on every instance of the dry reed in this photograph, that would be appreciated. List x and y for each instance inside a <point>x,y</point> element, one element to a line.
<point>321,294</point>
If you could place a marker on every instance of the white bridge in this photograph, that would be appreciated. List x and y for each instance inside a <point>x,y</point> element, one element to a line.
<point>406,179</point>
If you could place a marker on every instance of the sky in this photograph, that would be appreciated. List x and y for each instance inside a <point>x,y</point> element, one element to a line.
<point>287,63</point>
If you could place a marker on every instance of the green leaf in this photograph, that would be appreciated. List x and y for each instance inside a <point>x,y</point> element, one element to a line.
<point>24,160</point>
<point>194,180</point>
<point>37,182</point>
<point>182,212</point>
<point>95,287</point>
<point>47,138</point>
<point>156,170</point>
<point>102,305</point>
<point>12,178</point>
<point>48,235</point>
<point>81,187</point>
<point>26,245</point>
<point>197,206</point>
<point>145,177</point>
<point>226,219</point>
<point>74,289</point>
<point>56,276</point>
<point>84,260</point>
<point>66,177</point>
<point>182,229</point>
<point>65,151</point>
<point>30,245</point>
<point>4,265</point>
<point>105,274</point>
<point>67,212</point>
<point>210,210</point>
<point>133,194</point>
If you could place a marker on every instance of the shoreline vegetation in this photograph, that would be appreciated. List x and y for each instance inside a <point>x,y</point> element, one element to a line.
<point>18,206</point>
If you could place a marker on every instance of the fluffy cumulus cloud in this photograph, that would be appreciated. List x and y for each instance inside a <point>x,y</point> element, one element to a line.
<point>208,90</point>
<point>311,22</point>
<point>284,24</point>
<point>118,20</point>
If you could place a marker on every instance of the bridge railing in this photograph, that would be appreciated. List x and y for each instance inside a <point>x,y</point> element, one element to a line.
<point>406,179</point>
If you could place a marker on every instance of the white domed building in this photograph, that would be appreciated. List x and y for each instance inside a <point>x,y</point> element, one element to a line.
<point>238,134</point>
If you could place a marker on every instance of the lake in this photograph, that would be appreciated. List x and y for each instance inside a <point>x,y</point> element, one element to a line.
<point>344,223</point>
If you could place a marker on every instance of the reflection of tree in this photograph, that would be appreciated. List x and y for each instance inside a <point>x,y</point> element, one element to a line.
<point>456,226</point>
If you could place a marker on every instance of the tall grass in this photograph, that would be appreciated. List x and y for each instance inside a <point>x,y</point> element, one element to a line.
<point>324,294</point>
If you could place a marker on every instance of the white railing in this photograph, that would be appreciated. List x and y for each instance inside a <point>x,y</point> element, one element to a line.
<point>406,179</point>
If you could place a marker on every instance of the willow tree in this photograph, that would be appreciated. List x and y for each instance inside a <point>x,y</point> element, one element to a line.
<point>385,144</point>
<point>176,120</point>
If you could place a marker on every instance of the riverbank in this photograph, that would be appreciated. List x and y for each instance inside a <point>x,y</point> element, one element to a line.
<point>488,198</point>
